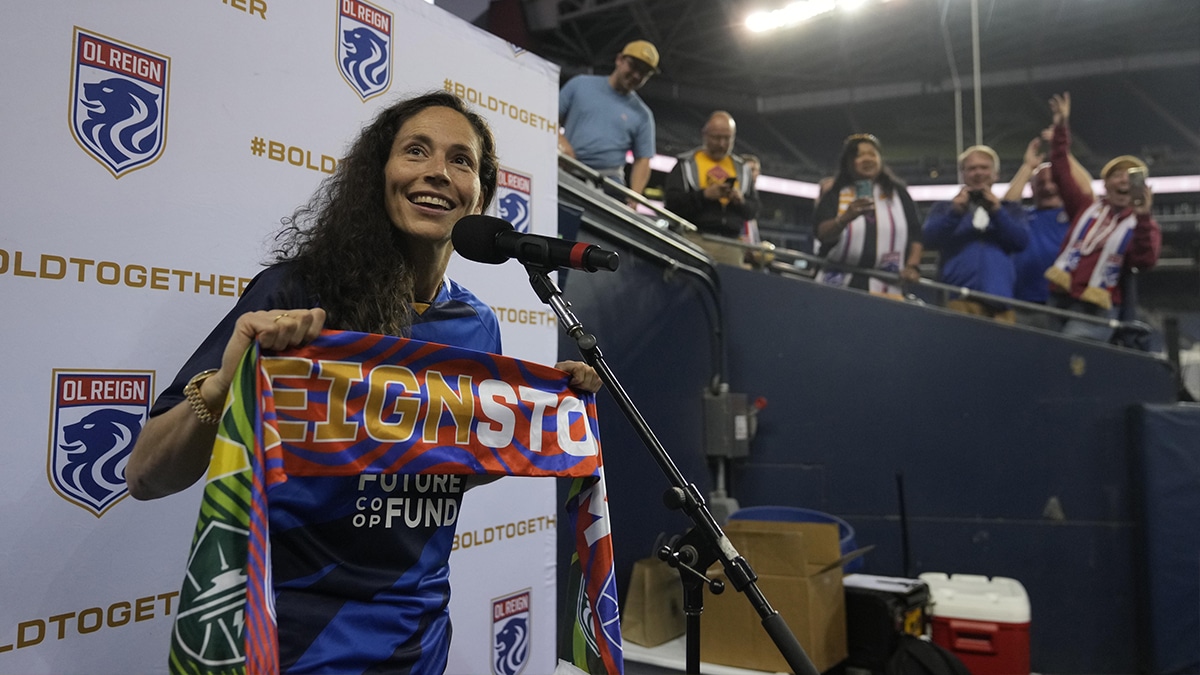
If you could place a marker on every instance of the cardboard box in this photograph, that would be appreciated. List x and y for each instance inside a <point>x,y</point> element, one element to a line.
<point>799,570</point>
<point>653,610</point>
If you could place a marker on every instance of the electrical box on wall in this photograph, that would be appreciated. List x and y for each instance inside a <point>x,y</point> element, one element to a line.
<point>727,424</point>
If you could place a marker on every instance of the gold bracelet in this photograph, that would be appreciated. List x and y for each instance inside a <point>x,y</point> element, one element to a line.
<point>191,391</point>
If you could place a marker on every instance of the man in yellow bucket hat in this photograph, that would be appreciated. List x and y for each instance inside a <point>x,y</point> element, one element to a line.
<point>602,118</point>
<point>1108,236</point>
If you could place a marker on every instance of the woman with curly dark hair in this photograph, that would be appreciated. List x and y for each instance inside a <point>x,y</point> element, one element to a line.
<point>367,253</point>
<point>867,219</point>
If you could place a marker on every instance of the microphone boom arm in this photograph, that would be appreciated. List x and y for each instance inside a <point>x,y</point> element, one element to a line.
<point>706,541</point>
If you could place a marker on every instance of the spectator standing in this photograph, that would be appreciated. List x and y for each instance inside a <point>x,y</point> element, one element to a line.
<point>867,219</point>
<point>710,185</point>
<point>1109,236</point>
<point>1048,224</point>
<point>977,234</point>
<point>602,118</point>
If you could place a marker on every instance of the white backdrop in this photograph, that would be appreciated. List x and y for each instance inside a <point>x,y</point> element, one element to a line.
<point>116,258</point>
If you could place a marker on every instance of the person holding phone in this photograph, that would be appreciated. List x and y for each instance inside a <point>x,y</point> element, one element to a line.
<point>867,219</point>
<point>710,186</point>
<point>1108,237</point>
<point>976,234</point>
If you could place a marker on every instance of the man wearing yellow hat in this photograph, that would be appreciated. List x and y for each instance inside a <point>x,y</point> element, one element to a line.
<point>1108,236</point>
<point>602,118</point>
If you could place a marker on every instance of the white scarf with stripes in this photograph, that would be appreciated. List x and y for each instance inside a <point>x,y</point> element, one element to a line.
<point>891,240</point>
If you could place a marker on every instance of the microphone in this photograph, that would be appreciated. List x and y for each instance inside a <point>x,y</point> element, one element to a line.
<point>491,240</point>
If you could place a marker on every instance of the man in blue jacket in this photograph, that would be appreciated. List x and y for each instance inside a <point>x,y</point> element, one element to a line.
<point>976,235</point>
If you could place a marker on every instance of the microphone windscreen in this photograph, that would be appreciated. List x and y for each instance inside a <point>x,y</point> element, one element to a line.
<point>474,237</point>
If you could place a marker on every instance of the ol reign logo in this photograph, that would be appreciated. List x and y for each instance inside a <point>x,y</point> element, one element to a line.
<point>510,633</point>
<point>214,591</point>
<point>364,47</point>
<point>95,419</point>
<point>118,102</point>
<point>514,195</point>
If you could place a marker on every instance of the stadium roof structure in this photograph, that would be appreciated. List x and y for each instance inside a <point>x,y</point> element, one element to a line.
<point>904,71</point>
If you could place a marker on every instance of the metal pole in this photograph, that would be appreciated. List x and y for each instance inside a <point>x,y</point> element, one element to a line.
<point>977,80</point>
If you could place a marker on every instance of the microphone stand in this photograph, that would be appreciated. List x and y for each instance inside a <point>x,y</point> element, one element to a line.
<point>705,543</point>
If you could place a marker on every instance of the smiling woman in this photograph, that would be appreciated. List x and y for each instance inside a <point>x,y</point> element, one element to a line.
<point>367,253</point>
<point>867,219</point>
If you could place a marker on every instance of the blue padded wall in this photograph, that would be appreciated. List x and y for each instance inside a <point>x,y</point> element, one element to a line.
<point>989,424</point>
<point>1168,441</point>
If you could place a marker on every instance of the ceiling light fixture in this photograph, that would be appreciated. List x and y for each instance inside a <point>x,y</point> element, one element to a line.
<point>788,15</point>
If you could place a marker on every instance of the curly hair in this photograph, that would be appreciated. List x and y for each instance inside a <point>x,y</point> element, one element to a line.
<point>343,245</point>
<point>888,181</point>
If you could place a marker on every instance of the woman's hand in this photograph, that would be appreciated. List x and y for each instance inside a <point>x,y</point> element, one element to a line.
<point>173,450</point>
<point>856,208</point>
<point>275,329</point>
<point>583,376</point>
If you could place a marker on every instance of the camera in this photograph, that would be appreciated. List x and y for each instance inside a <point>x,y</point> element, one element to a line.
<point>975,195</point>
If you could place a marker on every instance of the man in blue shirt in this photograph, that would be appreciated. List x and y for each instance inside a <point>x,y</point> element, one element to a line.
<point>1048,225</point>
<point>602,118</point>
<point>976,235</point>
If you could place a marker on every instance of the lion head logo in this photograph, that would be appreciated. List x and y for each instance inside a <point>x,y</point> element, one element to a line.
<point>366,60</point>
<point>123,120</point>
<point>515,209</point>
<point>512,646</point>
<point>95,450</point>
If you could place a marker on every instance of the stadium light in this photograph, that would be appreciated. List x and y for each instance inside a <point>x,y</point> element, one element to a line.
<point>788,15</point>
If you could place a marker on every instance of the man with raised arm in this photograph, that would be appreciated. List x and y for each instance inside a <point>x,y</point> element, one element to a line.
<point>1108,238</point>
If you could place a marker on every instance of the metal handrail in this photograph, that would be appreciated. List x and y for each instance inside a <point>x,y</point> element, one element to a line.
<point>679,224</point>
<point>960,292</point>
<point>678,253</point>
<point>600,180</point>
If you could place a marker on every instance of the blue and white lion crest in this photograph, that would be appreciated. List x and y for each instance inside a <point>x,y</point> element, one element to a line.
<point>364,50</point>
<point>119,102</point>
<point>96,419</point>
<point>514,199</point>
<point>514,207</point>
<point>510,633</point>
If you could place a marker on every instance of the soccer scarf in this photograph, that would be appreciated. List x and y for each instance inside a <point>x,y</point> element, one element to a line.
<point>387,405</point>
<point>1099,231</point>
<point>891,240</point>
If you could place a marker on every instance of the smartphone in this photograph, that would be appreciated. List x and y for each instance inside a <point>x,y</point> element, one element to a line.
<point>863,188</point>
<point>731,180</point>
<point>1137,178</point>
